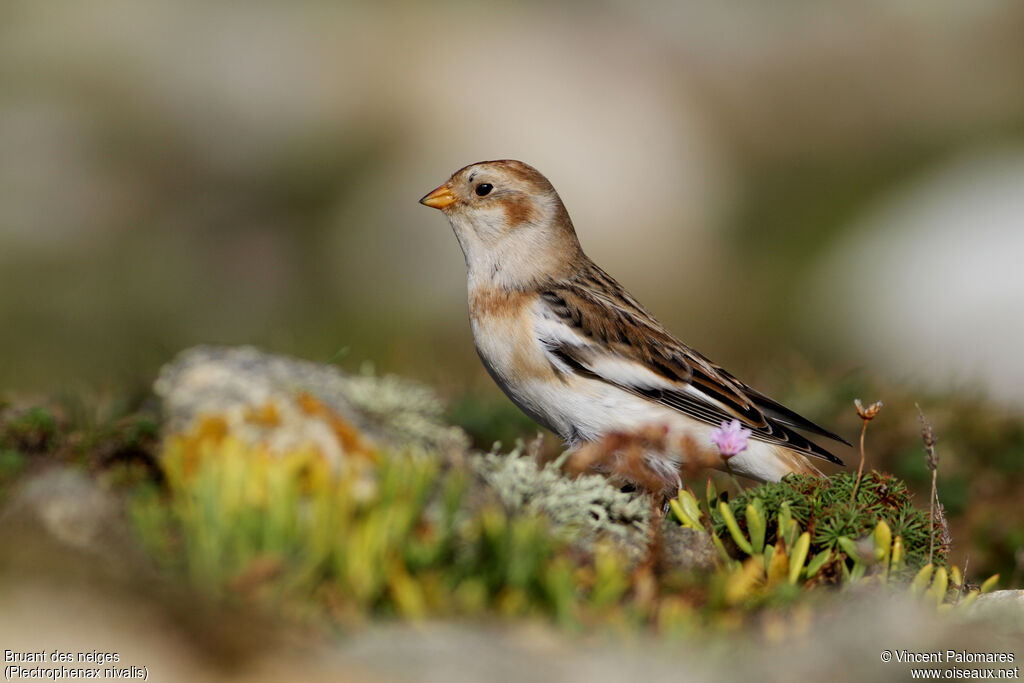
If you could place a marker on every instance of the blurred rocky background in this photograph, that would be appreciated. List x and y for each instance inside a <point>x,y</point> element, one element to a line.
<point>841,182</point>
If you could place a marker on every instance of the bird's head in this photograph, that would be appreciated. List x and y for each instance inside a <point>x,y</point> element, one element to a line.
<point>510,222</point>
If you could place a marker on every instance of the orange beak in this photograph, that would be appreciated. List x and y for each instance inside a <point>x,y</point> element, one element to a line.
<point>440,198</point>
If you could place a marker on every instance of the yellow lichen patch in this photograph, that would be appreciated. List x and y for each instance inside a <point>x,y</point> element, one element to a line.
<point>350,438</point>
<point>209,430</point>
<point>267,415</point>
<point>212,427</point>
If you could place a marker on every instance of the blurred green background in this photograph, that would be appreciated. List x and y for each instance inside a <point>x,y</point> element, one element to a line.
<point>824,198</point>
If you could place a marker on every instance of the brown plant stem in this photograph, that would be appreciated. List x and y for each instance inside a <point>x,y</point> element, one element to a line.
<point>866,414</point>
<point>931,518</point>
<point>860,470</point>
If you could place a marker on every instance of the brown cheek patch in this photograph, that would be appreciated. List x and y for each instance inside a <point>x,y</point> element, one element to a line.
<point>518,210</point>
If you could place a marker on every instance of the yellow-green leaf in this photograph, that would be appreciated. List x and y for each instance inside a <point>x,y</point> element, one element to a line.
<point>883,542</point>
<point>849,547</point>
<point>956,577</point>
<point>680,513</point>
<point>756,528</point>
<point>817,562</point>
<point>990,583</point>
<point>921,579</point>
<point>799,556</point>
<point>690,506</point>
<point>742,581</point>
<point>939,584</point>
<point>722,553</point>
<point>778,564</point>
<point>734,528</point>
<point>896,563</point>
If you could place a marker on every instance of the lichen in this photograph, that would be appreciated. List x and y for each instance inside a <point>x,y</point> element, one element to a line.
<point>587,506</point>
<point>404,410</point>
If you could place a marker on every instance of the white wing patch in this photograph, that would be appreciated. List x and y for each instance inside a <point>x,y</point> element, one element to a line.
<point>553,333</point>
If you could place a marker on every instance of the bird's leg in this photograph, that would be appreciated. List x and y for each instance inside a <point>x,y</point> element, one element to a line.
<point>666,502</point>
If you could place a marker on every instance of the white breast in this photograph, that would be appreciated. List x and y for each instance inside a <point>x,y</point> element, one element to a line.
<point>577,408</point>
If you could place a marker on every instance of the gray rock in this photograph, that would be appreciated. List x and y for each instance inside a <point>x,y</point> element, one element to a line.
<point>1008,601</point>
<point>66,504</point>
<point>687,549</point>
<point>285,404</point>
<point>62,520</point>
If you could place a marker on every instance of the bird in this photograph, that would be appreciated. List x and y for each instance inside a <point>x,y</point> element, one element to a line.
<point>581,356</point>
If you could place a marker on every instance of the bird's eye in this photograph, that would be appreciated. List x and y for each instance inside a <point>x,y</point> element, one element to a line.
<point>483,189</point>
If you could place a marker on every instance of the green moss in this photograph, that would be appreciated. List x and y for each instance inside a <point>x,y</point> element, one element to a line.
<point>34,429</point>
<point>823,508</point>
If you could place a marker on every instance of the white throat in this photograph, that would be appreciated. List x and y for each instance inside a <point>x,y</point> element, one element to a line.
<point>518,257</point>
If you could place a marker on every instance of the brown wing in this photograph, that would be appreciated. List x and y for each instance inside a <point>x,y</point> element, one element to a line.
<point>608,335</point>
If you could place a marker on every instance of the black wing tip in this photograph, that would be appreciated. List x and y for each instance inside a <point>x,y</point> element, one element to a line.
<point>821,431</point>
<point>793,419</point>
<point>801,443</point>
<point>831,458</point>
<point>780,413</point>
<point>811,448</point>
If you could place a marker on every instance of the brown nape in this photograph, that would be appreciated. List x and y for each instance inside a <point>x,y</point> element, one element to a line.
<point>562,218</point>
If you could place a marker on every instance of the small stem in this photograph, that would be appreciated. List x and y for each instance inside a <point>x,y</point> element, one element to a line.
<point>931,517</point>
<point>860,470</point>
<point>735,482</point>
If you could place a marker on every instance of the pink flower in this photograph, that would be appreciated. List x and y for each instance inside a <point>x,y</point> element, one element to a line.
<point>731,438</point>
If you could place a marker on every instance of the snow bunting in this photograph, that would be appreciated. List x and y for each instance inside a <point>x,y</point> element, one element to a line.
<point>581,356</point>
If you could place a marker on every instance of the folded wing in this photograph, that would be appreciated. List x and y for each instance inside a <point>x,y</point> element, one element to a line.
<point>590,326</point>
